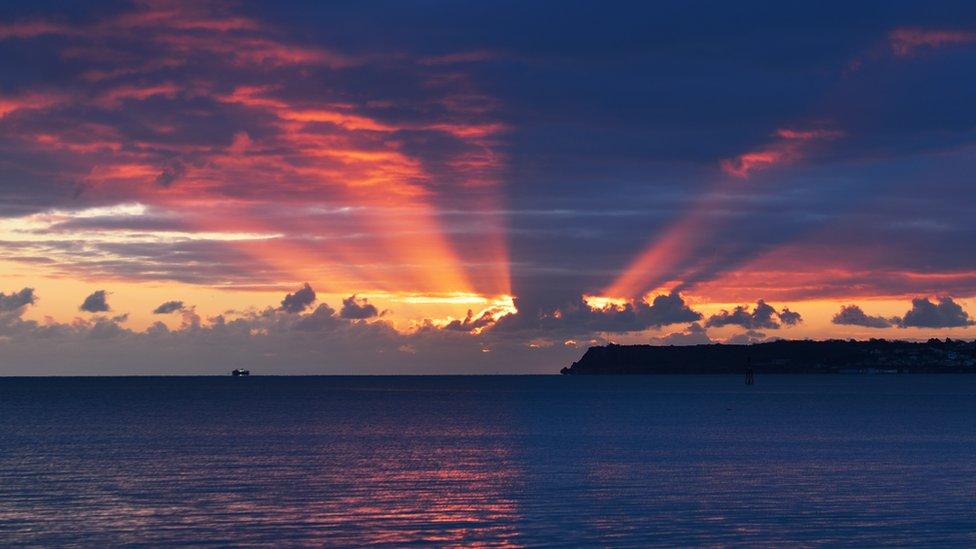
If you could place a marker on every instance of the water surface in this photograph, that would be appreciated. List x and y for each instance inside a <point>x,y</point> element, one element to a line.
<point>507,460</point>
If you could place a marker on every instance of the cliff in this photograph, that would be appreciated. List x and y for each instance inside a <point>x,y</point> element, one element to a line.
<point>784,357</point>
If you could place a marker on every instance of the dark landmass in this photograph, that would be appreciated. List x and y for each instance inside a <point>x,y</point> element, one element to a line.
<point>782,357</point>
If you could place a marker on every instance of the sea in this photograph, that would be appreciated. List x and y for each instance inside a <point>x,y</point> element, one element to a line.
<point>618,461</point>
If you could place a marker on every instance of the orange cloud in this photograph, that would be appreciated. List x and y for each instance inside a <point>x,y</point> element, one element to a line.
<point>309,150</point>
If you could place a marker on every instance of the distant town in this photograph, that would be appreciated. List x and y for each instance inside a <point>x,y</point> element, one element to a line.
<point>875,356</point>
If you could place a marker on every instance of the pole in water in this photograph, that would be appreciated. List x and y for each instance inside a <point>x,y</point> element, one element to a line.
<point>750,373</point>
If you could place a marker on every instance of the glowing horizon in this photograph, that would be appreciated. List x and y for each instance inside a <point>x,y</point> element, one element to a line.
<point>261,172</point>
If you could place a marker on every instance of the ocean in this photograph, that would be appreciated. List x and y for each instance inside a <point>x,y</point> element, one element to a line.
<point>496,460</point>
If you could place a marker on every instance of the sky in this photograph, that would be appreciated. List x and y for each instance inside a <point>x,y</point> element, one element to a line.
<point>464,187</point>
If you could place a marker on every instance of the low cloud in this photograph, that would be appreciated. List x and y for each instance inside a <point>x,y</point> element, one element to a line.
<point>298,301</point>
<point>97,302</point>
<point>695,334</point>
<point>763,315</point>
<point>944,314</point>
<point>852,315</point>
<point>323,318</point>
<point>16,301</point>
<point>747,338</point>
<point>168,307</point>
<point>469,324</point>
<point>577,318</point>
<point>790,318</point>
<point>354,308</point>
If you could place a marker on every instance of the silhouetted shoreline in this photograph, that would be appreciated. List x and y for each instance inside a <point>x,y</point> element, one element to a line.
<point>875,356</point>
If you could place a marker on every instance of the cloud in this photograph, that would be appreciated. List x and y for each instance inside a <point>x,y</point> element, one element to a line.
<point>747,338</point>
<point>944,314</point>
<point>298,301</point>
<point>577,318</point>
<point>852,315</point>
<point>354,308</point>
<point>168,307</point>
<point>266,341</point>
<point>171,173</point>
<point>470,324</point>
<point>695,334</point>
<point>906,41</point>
<point>96,302</point>
<point>790,318</point>
<point>763,315</point>
<point>323,318</point>
<point>15,302</point>
<point>789,145</point>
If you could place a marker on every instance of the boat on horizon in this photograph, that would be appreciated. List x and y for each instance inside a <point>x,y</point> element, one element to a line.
<point>237,372</point>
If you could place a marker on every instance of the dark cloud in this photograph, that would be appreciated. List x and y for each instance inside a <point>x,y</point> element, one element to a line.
<point>16,301</point>
<point>96,302</point>
<point>790,318</point>
<point>267,341</point>
<point>944,314</point>
<point>300,300</point>
<point>763,315</point>
<point>470,323</point>
<point>171,173</point>
<point>354,308</point>
<point>168,307</point>
<point>747,338</point>
<point>695,334</point>
<point>321,319</point>
<point>853,315</point>
<point>577,318</point>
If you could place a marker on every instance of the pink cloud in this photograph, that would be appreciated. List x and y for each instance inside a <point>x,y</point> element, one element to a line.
<point>906,41</point>
<point>31,29</point>
<point>114,97</point>
<point>462,57</point>
<point>806,135</point>
<point>790,145</point>
<point>28,101</point>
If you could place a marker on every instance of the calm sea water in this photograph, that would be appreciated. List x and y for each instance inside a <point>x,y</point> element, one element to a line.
<point>659,460</point>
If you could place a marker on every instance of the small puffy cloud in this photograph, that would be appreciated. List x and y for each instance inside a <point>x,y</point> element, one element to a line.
<point>790,318</point>
<point>695,334</point>
<point>354,308</point>
<point>763,315</point>
<point>666,309</point>
<point>168,307</point>
<point>944,314</point>
<point>298,301</point>
<point>747,338</point>
<point>97,302</point>
<point>16,301</point>
<point>852,315</point>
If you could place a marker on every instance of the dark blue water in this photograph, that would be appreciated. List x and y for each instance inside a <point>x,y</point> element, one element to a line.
<point>661,460</point>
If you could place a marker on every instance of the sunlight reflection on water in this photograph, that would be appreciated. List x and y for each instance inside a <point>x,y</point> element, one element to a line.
<point>488,460</point>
